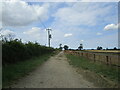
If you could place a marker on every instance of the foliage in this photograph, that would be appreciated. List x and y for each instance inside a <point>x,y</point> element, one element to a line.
<point>80,47</point>
<point>14,51</point>
<point>115,48</point>
<point>60,46</point>
<point>99,48</point>
<point>65,47</point>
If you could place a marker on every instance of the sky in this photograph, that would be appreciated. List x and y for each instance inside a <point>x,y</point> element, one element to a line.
<point>90,23</point>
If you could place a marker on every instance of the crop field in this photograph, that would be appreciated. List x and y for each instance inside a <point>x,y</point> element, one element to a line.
<point>109,57</point>
<point>106,51</point>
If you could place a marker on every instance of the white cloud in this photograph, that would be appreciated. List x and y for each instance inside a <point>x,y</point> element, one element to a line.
<point>19,13</point>
<point>70,0</point>
<point>34,32</point>
<point>82,40</point>
<point>68,34</point>
<point>0,15</point>
<point>77,14</point>
<point>70,16</point>
<point>6,33</point>
<point>111,27</point>
<point>98,33</point>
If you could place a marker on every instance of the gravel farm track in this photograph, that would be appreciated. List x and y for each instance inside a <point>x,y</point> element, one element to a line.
<point>54,73</point>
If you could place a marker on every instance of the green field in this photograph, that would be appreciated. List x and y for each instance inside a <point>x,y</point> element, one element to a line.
<point>108,72</point>
<point>15,71</point>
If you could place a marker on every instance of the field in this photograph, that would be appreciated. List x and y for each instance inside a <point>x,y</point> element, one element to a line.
<point>106,51</point>
<point>109,57</point>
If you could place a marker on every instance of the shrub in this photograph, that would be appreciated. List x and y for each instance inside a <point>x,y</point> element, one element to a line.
<point>15,50</point>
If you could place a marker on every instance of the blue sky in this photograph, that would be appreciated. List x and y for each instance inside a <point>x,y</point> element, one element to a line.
<point>90,23</point>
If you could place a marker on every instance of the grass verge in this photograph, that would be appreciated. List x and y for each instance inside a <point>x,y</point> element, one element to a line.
<point>108,72</point>
<point>13,72</point>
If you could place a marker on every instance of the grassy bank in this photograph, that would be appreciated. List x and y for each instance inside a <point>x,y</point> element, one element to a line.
<point>108,72</point>
<point>13,72</point>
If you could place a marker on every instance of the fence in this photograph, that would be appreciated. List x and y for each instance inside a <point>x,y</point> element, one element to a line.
<point>109,58</point>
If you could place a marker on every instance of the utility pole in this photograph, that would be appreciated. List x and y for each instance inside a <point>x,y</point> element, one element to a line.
<point>49,36</point>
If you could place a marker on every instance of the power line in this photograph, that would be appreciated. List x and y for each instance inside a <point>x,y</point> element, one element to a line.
<point>49,35</point>
<point>42,24</point>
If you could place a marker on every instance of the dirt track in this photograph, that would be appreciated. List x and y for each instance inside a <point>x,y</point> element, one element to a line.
<point>54,73</point>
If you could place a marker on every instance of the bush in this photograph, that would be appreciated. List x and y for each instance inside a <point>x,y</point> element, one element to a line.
<point>14,51</point>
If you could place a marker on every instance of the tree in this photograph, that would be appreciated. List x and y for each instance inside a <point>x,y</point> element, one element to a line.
<point>106,48</point>
<point>60,46</point>
<point>80,47</point>
<point>65,47</point>
<point>99,48</point>
<point>115,48</point>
